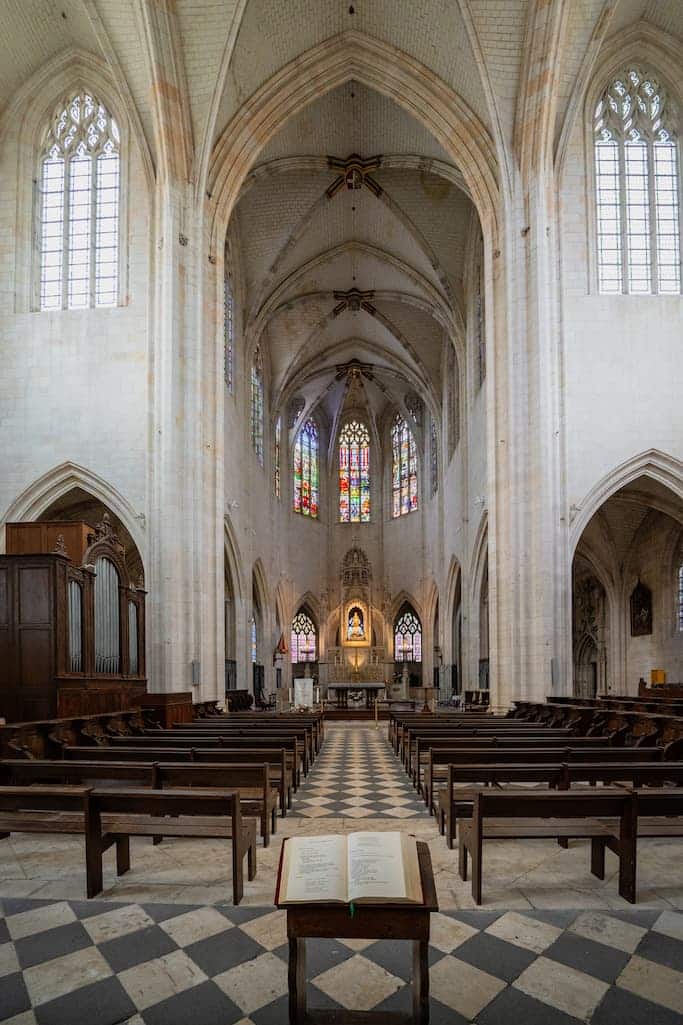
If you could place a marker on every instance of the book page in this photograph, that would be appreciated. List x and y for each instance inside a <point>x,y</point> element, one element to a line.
<point>377,869</point>
<point>314,868</point>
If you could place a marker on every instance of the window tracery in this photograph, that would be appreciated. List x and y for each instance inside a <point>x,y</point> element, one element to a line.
<point>78,208</point>
<point>257,404</point>
<point>304,636</point>
<point>277,456</point>
<point>228,331</point>
<point>306,471</point>
<point>407,636</point>
<point>404,468</point>
<point>434,457</point>
<point>637,185</point>
<point>354,473</point>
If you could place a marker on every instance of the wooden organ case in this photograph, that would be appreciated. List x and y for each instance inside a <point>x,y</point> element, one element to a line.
<point>72,623</point>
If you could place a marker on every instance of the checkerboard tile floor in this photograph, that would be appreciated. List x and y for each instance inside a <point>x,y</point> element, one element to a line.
<point>356,775</point>
<point>87,962</point>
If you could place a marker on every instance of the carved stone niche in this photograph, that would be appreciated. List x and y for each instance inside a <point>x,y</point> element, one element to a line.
<point>355,627</point>
<point>356,569</point>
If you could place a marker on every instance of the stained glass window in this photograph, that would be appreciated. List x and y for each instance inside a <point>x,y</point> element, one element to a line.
<point>434,458</point>
<point>479,327</point>
<point>254,640</point>
<point>306,471</point>
<point>404,468</point>
<point>228,331</point>
<point>637,187</point>
<point>277,455</point>
<point>303,646</point>
<point>407,637</point>
<point>257,405</point>
<point>354,473</point>
<point>680,597</point>
<point>453,385</point>
<point>78,209</point>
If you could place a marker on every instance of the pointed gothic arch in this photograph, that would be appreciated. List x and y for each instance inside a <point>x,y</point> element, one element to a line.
<point>47,490</point>
<point>380,66</point>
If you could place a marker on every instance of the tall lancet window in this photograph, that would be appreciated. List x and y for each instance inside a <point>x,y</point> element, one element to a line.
<point>257,404</point>
<point>228,331</point>
<point>354,473</point>
<point>407,636</point>
<point>637,186</point>
<point>306,471</point>
<point>404,468</point>
<point>78,207</point>
<point>434,458</point>
<point>303,640</point>
<point>277,458</point>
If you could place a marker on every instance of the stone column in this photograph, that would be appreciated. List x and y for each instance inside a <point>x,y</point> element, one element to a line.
<point>186,481</point>
<point>529,565</point>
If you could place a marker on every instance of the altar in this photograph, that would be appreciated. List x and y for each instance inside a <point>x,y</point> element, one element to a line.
<point>342,688</point>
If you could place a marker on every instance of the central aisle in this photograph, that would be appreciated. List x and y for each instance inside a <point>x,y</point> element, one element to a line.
<point>357,776</point>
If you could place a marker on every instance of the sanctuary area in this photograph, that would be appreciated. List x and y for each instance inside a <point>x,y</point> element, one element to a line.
<point>341,512</point>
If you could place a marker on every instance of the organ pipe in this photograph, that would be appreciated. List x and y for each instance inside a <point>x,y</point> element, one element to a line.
<point>107,621</point>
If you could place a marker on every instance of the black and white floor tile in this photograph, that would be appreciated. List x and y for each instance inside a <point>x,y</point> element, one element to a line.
<point>356,775</point>
<point>77,962</point>
<point>87,962</point>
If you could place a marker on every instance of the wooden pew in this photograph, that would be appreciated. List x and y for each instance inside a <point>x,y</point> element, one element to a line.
<point>300,727</point>
<point>289,743</point>
<point>305,732</point>
<point>422,762</point>
<point>280,760</point>
<point>245,739</point>
<point>525,815</point>
<point>109,817</point>
<point>251,781</point>
<point>314,719</point>
<point>455,800</point>
<point>412,738</point>
<point>413,734</point>
<point>493,758</point>
<point>303,728</point>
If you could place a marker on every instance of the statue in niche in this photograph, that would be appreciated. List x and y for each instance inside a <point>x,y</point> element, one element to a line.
<point>356,626</point>
<point>641,611</point>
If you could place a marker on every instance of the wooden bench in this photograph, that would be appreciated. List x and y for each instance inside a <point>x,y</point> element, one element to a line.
<point>275,720</point>
<point>435,769</point>
<point>536,815</point>
<point>107,817</point>
<point>280,759</point>
<point>485,758</point>
<point>449,808</point>
<point>252,781</point>
<point>420,742</point>
<point>289,742</point>
<point>211,732</point>
<point>456,799</point>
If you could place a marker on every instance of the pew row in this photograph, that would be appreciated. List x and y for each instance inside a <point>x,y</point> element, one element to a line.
<point>107,817</point>
<point>252,782</point>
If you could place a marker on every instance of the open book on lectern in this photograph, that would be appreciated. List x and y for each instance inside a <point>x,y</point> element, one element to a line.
<point>352,869</point>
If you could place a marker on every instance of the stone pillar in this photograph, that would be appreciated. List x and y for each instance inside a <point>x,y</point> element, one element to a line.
<point>529,565</point>
<point>186,492</point>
